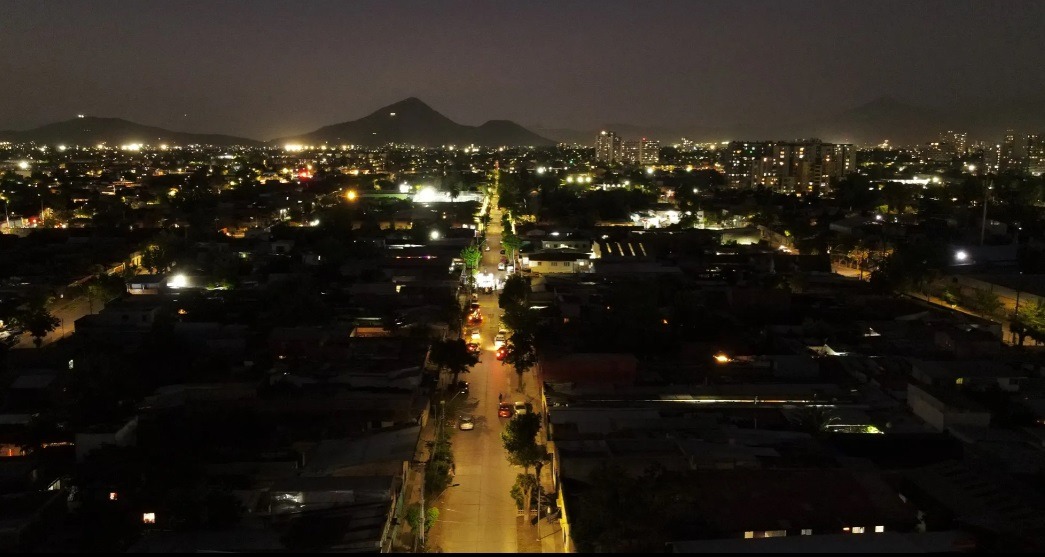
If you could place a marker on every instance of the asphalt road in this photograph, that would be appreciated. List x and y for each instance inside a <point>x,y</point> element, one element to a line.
<point>67,310</point>
<point>477,514</point>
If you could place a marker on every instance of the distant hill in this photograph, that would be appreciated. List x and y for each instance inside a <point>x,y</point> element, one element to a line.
<point>92,130</point>
<point>907,124</point>
<point>881,119</point>
<point>413,122</point>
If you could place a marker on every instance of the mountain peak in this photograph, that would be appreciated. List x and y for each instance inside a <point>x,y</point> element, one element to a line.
<point>413,122</point>
<point>409,104</point>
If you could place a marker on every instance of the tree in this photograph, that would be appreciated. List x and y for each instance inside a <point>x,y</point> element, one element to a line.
<point>521,346</point>
<point>413,517</point>
<point>1029,321</point>
<point>520,441</point>
<point>511,244</point>
<point>984,302</point>
<point>814,419</point>
<point>38,321</point>
<point>471,257</point>
<point>516,289</point>
<point>524,491</point>
<point>453,355</point>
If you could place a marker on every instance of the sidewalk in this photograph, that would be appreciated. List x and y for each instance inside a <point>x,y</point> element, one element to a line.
<point>406,539</point>
<point>550,532</point>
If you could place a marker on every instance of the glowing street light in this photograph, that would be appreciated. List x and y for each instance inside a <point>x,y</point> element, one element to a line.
<point>961,256</point>
<point>178,281</point>
<point>722,358</point>
<point>434,235</point>
<point>351,195</point>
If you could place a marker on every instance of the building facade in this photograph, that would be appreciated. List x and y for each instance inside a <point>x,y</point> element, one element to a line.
<point>608,147</point>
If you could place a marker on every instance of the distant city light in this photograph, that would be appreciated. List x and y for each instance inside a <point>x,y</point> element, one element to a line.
<point>434,235</point>
<point>404,188</point>
<point>961,255</point>
<point>293,147</point>
<point>541,170</point>
<point>61,147</point>
<point>722,358</point>
<point>23,165</point>
<point>351,195</point>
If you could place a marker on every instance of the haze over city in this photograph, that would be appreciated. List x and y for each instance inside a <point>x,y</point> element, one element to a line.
<point>744,276</point>
<point>266,69</point>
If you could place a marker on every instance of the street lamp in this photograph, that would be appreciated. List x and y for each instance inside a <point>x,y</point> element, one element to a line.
<point>442,409</point>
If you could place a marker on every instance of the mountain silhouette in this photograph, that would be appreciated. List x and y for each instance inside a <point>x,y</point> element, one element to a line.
<point>91,130</point>
<point>413,122</point>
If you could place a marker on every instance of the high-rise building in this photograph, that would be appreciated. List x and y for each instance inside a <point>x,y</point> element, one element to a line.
<point>791,167</point>
<point>607,147</point>
<point>640,151</point>
<point>957,140</point>
<point>631,151</point>
<point>1013,152</point>
<point>649,151</point>
<point>1036,154</point>
<point>739,160</point>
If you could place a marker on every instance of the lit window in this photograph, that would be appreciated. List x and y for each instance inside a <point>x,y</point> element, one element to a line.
<point>148,518</point>
<point>858,529</point>
<point>959,381</point>
<point>807,531</point>
<point>749,535</point>
<point>113,496</point>
<point>879,529</point>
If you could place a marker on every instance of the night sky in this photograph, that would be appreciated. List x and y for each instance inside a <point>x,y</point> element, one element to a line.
<point>265,69</point>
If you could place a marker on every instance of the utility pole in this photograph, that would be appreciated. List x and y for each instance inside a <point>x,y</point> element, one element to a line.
<point>983,225</point>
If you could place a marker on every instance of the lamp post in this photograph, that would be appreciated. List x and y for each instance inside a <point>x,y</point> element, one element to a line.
<point>442,412</point>
<point>7,216</point>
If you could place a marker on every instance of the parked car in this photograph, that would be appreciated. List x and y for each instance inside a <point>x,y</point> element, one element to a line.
<point>474,348</point>
<point>501,353</point>
<point>504,410</point>
<point>521,408</point>
<point>500,266</point>
<point>459,387</point>
<point>473,335</point>
<point>467,423</point>
<point>500,339</point>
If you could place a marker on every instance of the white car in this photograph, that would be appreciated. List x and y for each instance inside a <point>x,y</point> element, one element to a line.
<point>500,266</point>
<point>467,423</point>
<point>520,408</point>
<point>474,335</point>
<point>500,339</point>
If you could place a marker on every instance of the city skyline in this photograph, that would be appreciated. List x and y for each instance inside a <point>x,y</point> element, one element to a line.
<point>264,70</point>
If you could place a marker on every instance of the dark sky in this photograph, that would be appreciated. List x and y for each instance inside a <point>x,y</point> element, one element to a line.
<point>265,69</point>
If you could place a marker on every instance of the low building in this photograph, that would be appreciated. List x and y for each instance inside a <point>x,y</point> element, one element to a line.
<point>558,262</point>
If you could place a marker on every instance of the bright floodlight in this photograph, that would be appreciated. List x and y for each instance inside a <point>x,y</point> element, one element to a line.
<point>434,235</point>
<point>961,255</point>
<point>540,170</point>
<point>721,358</point>
<point>23,165</point>
<point>351,195</point>
<point>404,188</point>
<point>649,170</point>
<point>178,281</point>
